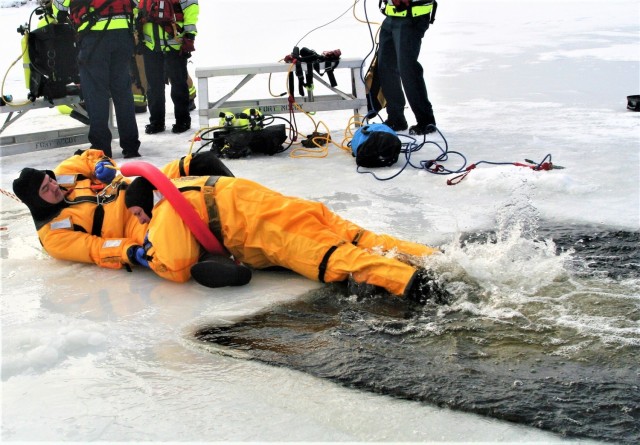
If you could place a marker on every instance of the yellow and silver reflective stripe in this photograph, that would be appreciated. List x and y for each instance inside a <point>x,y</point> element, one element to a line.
<point>168,42</point>
<point>113,17</point>
<point>416,10</point>
<point>117,22</point>
<point>190,28</point>
<point>139,99</point>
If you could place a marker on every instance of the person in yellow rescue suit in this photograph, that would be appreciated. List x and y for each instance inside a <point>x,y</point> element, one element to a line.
<point>167,47</point>
<point>78,209</point>
<point>262,228</point>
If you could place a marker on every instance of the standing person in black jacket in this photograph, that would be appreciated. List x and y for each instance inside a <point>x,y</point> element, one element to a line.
<point>168,42</point>
<point>105,32</point>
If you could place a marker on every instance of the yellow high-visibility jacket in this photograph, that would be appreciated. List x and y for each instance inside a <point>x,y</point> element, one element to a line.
<point>157,38</point>
<point>102,24</point>
<point>263,228</point>
<point>69,235</point>
<point>415,8</point>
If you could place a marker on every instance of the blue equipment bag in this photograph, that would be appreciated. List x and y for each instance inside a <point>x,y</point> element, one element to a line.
<point>375,145</point>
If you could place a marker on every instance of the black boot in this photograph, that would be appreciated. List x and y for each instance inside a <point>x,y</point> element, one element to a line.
<point>420,129</point>
<point>154,128</point>
<point>219,271</point>
<point>424,287</point>
<point>424,126</point>
<point>363,290</point>
<point>396,124</point>
<point>180,127</point>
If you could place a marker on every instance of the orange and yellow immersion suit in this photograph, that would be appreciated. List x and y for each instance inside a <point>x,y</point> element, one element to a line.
<point>263,228</point>
<point>95,226</point>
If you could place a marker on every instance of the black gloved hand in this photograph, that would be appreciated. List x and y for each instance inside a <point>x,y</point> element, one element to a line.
<point>188,44</point>
<point>137,255</point>
<point>425,286</point>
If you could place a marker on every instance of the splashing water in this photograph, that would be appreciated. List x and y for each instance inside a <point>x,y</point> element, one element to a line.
<point>541,330</point>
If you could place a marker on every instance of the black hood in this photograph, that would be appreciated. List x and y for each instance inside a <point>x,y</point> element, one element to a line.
<point>140,193</point>
<point>27,186</point>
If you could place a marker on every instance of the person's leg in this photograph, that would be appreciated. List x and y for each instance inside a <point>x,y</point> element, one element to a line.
<point>93,64</point>
<point>371,240</point>
<point>365,239</point>
<point>408,40</point>
<point>388,73</point>
<point>176,65</point>
<point>120,87</point>
<point>154,71</point>
<point>206,163</point>
<point>263,228</point>
<point>139,84</point>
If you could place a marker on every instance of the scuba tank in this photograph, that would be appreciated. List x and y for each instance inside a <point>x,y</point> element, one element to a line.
<point>49,57</point>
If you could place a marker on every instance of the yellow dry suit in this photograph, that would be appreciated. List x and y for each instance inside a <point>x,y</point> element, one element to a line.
<point>95,225</point>
<point>262,228</point>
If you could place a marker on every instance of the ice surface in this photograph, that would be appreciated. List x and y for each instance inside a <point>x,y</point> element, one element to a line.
<point>100,355</point>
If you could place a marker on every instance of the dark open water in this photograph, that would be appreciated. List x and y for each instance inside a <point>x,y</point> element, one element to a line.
<point>544,331</point>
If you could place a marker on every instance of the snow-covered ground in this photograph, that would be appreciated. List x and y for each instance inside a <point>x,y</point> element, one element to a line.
<point>99,355</point>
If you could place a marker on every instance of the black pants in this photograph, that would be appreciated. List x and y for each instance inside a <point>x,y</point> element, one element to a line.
<point>103,63</point>
<point>160,67</point>
<point>398,67</point>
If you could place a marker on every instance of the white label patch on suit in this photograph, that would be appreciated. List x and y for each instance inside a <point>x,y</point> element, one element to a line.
<point>61,224</point>
<point>157,197</point>
<point>111,243</point>
<point>66,180</point>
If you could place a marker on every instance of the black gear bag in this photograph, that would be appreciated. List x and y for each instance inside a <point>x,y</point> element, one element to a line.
<point>375,145</point>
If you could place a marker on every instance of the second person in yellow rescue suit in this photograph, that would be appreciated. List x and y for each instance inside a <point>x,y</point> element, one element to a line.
<point>262,228</point>
<point>166,48</point>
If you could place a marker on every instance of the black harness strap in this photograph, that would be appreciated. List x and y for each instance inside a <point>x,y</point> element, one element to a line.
<point>291,83</point>
<point>98,214</point>
<point>329,66</point>
<point>98,219</point>
<point>300,76</point>
<point>190,188</point>
<point>309,77</point>
<point>356,239</point>
<point>181,167</point>
<point>322,268</point>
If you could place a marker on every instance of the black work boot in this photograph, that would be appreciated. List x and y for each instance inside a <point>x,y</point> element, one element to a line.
<point>397,124</point>
<point>363,290</point>
<point>424,287</point>
<point>219,271</point>
<point>422,129</point>
<point>180,127</point>
<point>424,126</point>
<point>154,128</point>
